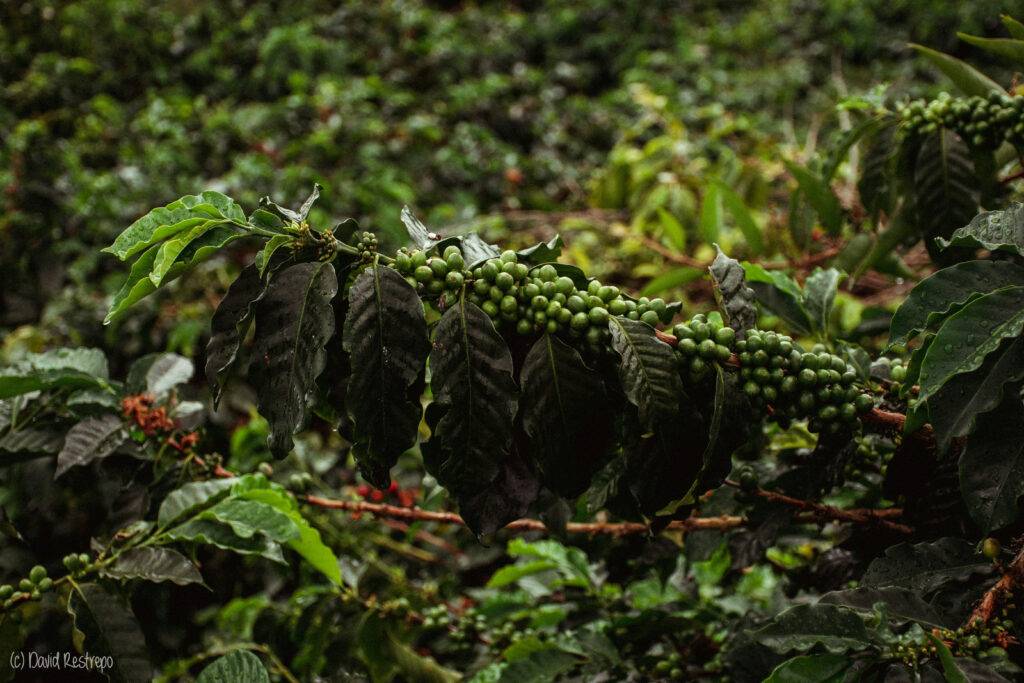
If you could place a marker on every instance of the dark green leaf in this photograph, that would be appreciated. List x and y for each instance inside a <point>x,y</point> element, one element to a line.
<point>566,414</point>
<point>153,564</point>
<point>28,443</point>
<point>964,76</point>
<point>926,567</point>
<point>229,326</point>
<point>94,438</point>
<point>954,408</point>
<point>945,291</point>
<point>1010,48</point>
<point>819,296</point>
<point>901,604</point>
<point>294,321</point>
<point>542,252</point>
<point>418,233</point>
<point>820,196</point>
<point>992,465</point>
<point>105,626</point>
<point>475,400</point>
<point>235,667</point>
<point>539,666</point>
<point>802,627</point>
<point>647,371</point>
<point>735,299</point>
<point>945,186</point>
<point>875,184</point>
<point>780,294</point>
<point>1001,230</point>
<point>60,368</point>
<point>824,668</point>
<point>968,336</point>
<point>386,338</point>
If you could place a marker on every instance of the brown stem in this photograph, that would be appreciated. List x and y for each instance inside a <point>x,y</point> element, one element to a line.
<point>612,528</point>
<point>821,511</point>
<point>1011,581</point>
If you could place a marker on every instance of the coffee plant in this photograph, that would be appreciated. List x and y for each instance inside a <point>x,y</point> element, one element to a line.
<point>502,452</point>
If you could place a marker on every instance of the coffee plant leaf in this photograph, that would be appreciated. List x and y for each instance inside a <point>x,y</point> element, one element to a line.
<point>819,195</point>
<point>57,369</point>
<point>647,371</point>
<point>28,443</point>
<point>954,409</point>
<point>191,498</point>
<point>177,217</point>
<point>212,532</point>
<point>474,249</point>
<point>945,187</point>
<point>780,294</point>
<point>240,665</point>
<point>265,256</point>
<point>171,249</point>
<point>158,373</point>
<point>229,325</point>
<point>875,184</point>
<point>248,518</point>
<point>307,543</point>
<point>819,296</point>
<point>547,663</point>
<point>964,76</point>
<point>800,628</point>
<point>1009,48</point>
<point>92,439</point>
<point>902,605</point>
<point>385,335</point>
<point>567,415</point>
<point>992,465</point>
<point>926,567</point>
<point>735,299</point>
<point>542,252</point>
<point>823,668</point>
<point>968,336</point>
<point>155,565</point>
<point>475,402</point>
<point>946,291</point>
<point>420,236</point>
<point>1001,230</point>
<point>294,322</point>
<point>103,625</point>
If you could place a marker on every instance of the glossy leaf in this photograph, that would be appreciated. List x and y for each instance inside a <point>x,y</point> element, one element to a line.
<point>385,335</point>
<point>192,497</point>
<point>992,466</point>
<point>153,564</point>
<point>901,604</point>
<point>542,252</point>
<point>158,373</point>
<point>211,532</point>
<point>926,567</point>
<point>294,321</point>
<point>1001,230</point>
<point>945,186</point>
<point>229,325</point>
<point>823,668</point>
<point>969,335</point>
<point>647,371</point>
<point>946,291</point>
<point>239,665</point>
<point>60,368</point>
<point>800,628</point>
<point>177,217</point>
<point>104,625</point>
<point>566,414</point>
<point>91,439</point>
<point>248,518</point>
<point>475,401</point>
<point>954,409</point>
<point>964,76</point>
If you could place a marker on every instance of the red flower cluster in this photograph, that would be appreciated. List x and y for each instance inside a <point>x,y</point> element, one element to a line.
<point>154,421</point>
<point>394,494</point>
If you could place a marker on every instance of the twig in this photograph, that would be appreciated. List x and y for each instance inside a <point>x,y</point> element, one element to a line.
<point>612,528</point>
<point>1011,581</point>
<point>828,512</point>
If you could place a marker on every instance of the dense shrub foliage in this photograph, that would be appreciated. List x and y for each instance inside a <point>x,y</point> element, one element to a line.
<point>482,440</point>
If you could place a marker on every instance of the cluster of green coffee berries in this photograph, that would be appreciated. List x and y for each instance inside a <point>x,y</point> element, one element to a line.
<point>871,457</point>
<point>525,300</point>
<point>367,246</point>
<point>670,667</point>
<point>892,369</point>
<point>701,341</point>
<point>75,564</point>
<point>983,122</point>
<point>299,482</point>
<point>30,588</point>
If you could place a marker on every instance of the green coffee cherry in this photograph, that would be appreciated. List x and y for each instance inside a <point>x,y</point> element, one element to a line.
<point>37,573</point>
